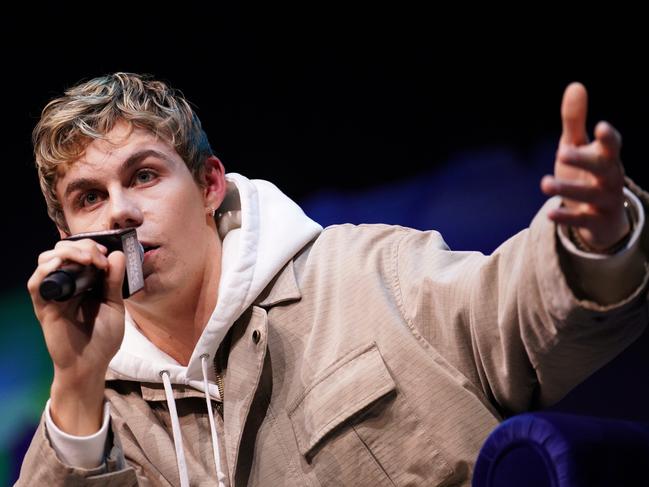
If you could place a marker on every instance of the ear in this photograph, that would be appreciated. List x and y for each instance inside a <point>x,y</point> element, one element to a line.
<point>215,185</point>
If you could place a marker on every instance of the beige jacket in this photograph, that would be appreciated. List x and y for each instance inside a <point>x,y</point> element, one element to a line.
<point>376,357</point>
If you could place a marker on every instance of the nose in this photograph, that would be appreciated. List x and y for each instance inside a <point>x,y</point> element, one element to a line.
<point>124,210</point>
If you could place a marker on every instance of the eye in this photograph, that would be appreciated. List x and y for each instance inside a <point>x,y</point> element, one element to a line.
<point>144,176</point>
<point>88,198</point>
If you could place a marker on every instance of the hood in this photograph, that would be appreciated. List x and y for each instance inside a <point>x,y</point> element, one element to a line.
<point>261,230</point>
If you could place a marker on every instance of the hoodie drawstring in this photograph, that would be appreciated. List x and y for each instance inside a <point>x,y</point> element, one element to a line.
<point>215,439</point>
<point>175,427</point>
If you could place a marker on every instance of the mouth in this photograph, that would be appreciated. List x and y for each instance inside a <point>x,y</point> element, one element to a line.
<point>149,248</point>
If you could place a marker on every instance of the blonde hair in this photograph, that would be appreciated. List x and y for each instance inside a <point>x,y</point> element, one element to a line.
<point>89,110</point>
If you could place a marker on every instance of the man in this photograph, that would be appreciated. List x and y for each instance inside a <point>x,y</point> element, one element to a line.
<point>357,355</point>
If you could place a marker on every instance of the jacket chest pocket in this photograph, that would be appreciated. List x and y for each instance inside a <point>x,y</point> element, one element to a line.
<point>354,427</point>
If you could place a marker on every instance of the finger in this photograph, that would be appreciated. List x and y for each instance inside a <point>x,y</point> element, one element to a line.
<point>609,140</point>
<point>115,277</point>
<point>574,217</point>
<point>588,157</point>
<point>573,115</point>
<point>580,192</point>
<point>82,253</point>
<point>34,282</point>
<point>85,243</point>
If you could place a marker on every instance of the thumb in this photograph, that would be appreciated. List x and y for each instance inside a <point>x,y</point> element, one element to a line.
<point>573,115</point>
<point>115,277</point>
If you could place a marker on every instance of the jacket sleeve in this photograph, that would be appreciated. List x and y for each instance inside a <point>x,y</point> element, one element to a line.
<point>517,323</point>
<point>42,465</point>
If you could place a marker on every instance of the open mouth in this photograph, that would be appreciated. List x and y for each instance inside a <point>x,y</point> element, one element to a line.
<point>149,248</point>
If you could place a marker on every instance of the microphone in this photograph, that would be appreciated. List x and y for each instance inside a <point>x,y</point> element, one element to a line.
<point>69,281</point>
<point>72,279</point>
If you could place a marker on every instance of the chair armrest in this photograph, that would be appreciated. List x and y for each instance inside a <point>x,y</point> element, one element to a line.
<point>547,449</point>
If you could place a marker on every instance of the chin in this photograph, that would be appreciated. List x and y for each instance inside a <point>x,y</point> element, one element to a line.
<point>154,288</point>
<point>143,294</point>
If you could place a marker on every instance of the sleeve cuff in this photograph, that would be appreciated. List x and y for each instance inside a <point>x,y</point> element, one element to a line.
<point>638,211</point>
<point>79,451</point>
<point>609,278</point>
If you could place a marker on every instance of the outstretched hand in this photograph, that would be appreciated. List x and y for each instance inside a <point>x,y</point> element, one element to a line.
<point>589,176</point>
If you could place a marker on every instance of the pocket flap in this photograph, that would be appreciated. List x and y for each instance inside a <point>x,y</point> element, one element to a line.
<point>343,390</point>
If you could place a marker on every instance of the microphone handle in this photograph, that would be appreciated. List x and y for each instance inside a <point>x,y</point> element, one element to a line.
<point>69,281</point>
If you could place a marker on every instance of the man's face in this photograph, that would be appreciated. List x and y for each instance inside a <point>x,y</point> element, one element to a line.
<point>136,180</point>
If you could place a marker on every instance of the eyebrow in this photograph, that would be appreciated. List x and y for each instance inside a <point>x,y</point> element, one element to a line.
<point>132,160</point>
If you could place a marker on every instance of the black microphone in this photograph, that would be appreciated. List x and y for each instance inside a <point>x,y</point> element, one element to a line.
<point>72,279</point>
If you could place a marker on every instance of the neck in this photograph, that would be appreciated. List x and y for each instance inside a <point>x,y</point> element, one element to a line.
<point>175,323</point>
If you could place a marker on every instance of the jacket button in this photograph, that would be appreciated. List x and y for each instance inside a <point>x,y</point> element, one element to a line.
<point>256,335</point>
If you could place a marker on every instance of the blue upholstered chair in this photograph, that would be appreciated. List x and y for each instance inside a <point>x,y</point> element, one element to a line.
<point>549,449</point>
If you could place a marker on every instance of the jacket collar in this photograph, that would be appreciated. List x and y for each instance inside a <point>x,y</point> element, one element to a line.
<point>282,288</point>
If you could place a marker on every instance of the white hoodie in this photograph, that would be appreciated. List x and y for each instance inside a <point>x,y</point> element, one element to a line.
<point>261,229</point>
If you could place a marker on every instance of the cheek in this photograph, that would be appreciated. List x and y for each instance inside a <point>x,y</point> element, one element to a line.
<point>179,213</point>
<point>186,231</point>
<point>84,223</point>
<point>184,203</point>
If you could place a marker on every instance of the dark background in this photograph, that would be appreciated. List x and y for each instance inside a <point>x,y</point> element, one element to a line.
<point>340,101</point>
<point>326,98</point>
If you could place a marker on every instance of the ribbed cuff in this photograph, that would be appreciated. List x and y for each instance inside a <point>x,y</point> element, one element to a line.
<point>639,218</point>
<point>78,451</point>
<point>608,278</point>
